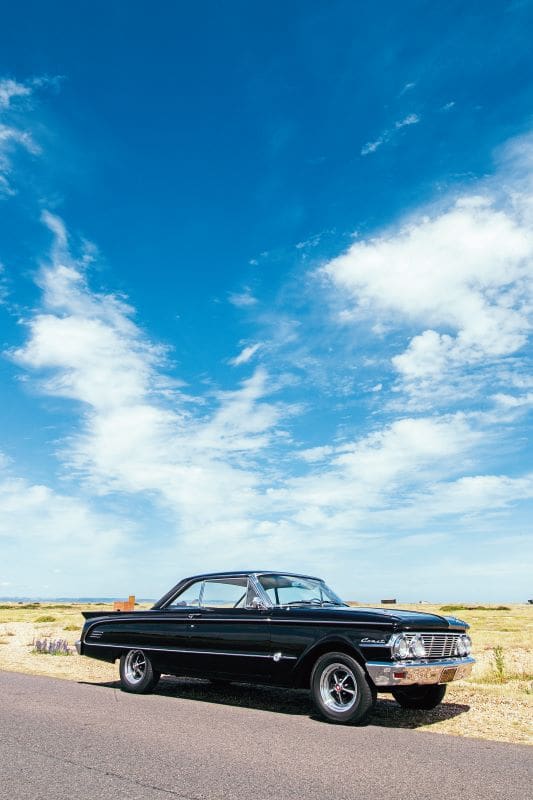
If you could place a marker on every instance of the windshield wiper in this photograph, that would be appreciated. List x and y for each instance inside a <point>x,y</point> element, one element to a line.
<point>313,601</point>
<point>333,603</point>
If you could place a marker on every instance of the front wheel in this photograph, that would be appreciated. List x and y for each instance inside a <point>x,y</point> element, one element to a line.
<point>137,673</point>
<point>422,697</point>
<point>340,690</point>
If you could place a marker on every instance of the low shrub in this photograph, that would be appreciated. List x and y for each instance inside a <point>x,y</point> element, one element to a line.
<point>71,628</point>
<point>45,618</point>
<point>51,647</point>
<point>499,663</point>
<point>475,608</point>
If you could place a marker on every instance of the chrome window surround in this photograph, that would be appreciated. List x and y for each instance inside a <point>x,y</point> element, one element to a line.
<point>203,581</point>
<point>253,582</point>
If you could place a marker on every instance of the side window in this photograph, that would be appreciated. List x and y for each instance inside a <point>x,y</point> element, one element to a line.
<point>227,593</point>
<point>189,597</point>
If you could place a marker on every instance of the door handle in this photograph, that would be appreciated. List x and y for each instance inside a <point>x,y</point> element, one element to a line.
<point>194,616</point>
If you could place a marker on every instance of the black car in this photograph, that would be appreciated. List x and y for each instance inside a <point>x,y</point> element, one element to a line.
<point>285,630</point>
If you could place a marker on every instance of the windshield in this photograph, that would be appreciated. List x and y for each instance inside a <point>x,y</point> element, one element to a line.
<point>287,590</point>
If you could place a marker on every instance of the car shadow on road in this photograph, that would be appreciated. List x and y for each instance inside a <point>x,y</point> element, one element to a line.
<point>387,712</point>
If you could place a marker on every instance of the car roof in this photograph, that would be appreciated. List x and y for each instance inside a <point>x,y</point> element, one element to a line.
<point>244,572</point>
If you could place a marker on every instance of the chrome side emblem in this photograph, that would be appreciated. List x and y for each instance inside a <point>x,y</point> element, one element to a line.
<point>277,657</point>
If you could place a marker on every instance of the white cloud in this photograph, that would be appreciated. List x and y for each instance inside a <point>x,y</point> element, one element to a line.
<point>476,494</point>
<point>462,275</point>
<point>243,299</point>
<point>410,119</point>
<point>368,474</point>
<point>371,147</point>
<point>10,89</point>
<point>12,137</point>
<point>388,134</point>
<point>246,354</point>
<point>313,454</point>
<point>139,433</point>
<point>49,518</point>
<point>41,527</point>
<point>313,241</point>
<point>407,87</point>
<point>514,401</point>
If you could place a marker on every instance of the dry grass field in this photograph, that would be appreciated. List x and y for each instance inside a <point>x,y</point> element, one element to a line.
<point>496,702</point>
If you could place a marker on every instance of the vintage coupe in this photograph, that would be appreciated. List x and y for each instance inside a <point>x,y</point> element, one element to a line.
<point>285,630</point>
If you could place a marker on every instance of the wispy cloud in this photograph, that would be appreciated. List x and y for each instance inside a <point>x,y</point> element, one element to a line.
<point>388,134</point>
<point>10,89</point>
<point>243,299</point>
<point>246,355</point>
<point>52,527</point>
<point>12,136</point>
<point>410,119</point>
<point>407,87</point>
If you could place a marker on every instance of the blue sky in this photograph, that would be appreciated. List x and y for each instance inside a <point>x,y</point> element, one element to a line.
<point>266,295</point>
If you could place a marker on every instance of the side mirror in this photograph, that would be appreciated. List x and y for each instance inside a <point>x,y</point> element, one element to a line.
<point>258,603</point>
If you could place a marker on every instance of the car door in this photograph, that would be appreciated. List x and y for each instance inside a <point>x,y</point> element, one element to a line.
<point>171,635</point>
<point>227,634</point>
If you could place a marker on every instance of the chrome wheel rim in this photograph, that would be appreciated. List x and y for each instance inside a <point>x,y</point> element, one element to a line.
<point>338,687</point>
<point>135,666</point>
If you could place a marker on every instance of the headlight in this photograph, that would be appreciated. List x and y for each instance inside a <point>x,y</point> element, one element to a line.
<point>460,646</point>
<point>400,648</point>
<point>417,646</point>
<point>467,643</point>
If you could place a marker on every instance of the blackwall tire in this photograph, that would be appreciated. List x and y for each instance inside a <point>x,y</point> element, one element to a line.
<point>340,690</point>
<point>137,674</point>
<point>420,697</point>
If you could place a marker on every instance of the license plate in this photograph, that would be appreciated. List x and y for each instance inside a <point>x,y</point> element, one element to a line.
<point>448,674</point>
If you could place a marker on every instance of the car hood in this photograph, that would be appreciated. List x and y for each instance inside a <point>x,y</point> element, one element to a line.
<point>419,619</point>
<point>398,618</point>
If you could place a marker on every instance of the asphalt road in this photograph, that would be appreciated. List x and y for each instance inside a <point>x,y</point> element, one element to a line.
<point>60,739</point>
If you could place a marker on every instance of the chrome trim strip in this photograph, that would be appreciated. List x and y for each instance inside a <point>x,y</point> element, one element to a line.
<point>183,650</point>
<point>185,620</point>
<point>365,642</point>
<point>419,672</point>
<point>347,623</point>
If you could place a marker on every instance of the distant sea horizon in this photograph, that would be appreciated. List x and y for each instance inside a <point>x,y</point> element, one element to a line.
<point>73,599</point>
<point>397,603</point>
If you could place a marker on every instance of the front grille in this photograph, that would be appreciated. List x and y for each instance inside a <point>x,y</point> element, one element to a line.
<point>440,645</point>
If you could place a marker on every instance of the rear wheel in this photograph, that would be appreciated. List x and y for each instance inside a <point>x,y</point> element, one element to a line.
<point>340,690</point>
<point>137,673</point>
<point>423,697</point>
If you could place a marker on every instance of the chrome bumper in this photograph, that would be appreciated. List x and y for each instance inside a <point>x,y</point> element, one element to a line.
<point>78,647</point>
<point>405,673</point>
